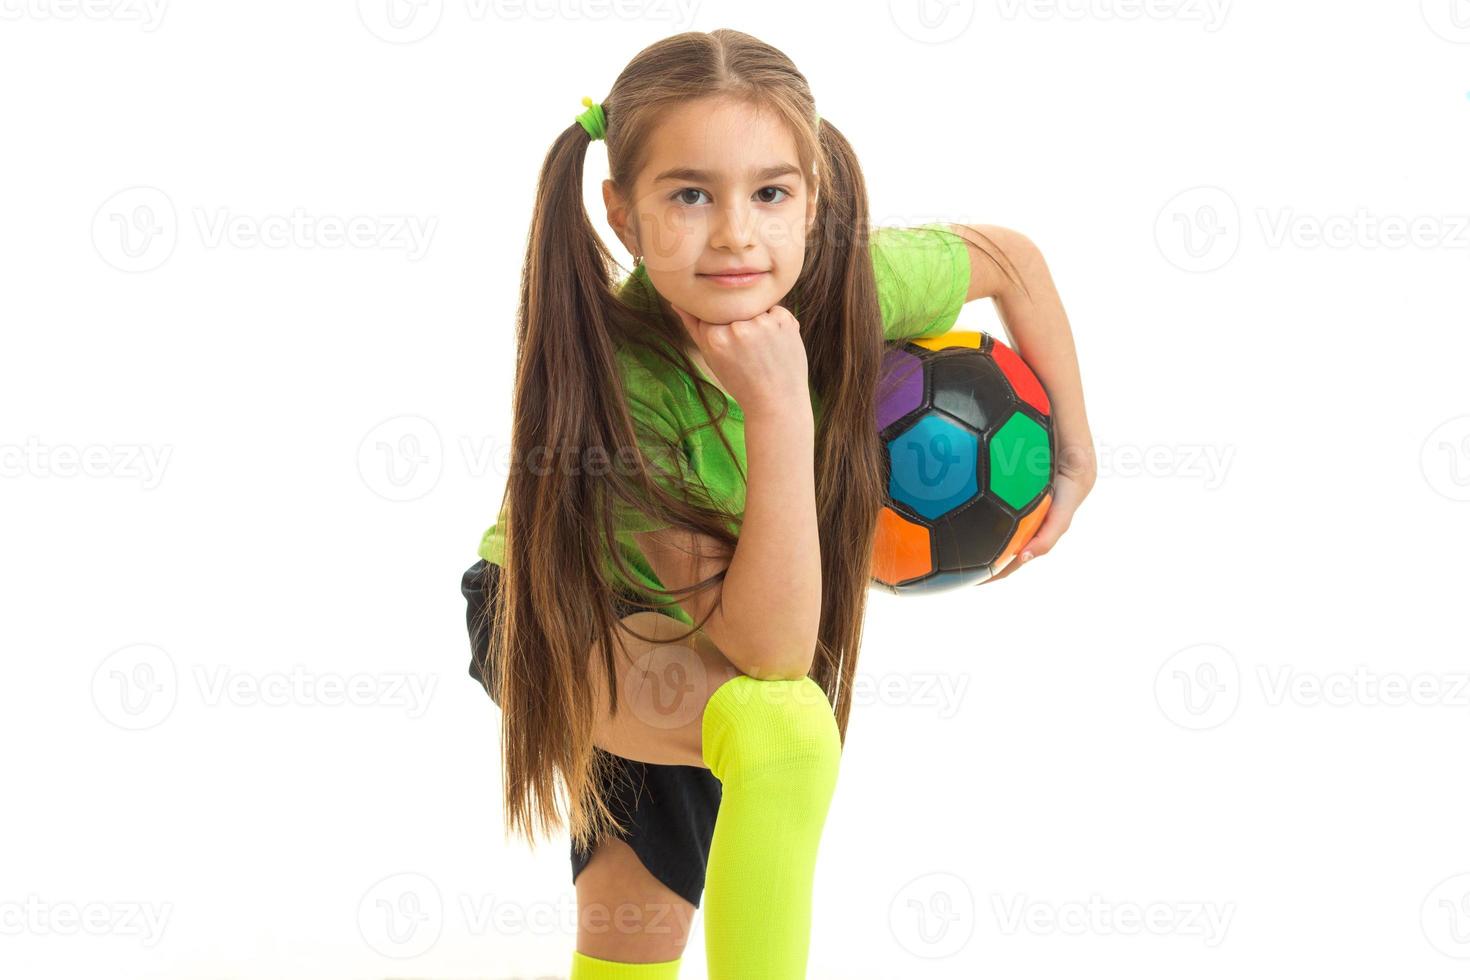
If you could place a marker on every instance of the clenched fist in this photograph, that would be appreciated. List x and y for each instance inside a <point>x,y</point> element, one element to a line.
<point>761,361</point>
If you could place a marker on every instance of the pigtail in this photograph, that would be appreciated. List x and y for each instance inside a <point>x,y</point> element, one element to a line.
<point>842,329</point>
<point>565,391</point>
<point>575,460</point>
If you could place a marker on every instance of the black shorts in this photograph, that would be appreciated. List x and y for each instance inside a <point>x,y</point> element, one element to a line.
<point>669,811</point>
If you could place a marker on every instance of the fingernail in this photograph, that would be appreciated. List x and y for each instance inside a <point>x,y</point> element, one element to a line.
<point>1026,556</point>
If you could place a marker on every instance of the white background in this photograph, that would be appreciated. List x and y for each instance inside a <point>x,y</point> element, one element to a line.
<point>241,467</point>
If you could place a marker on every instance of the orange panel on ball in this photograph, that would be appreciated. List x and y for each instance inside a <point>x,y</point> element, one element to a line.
<point>1025,531</point>
<point>901,551</point>
<point>955,338</point>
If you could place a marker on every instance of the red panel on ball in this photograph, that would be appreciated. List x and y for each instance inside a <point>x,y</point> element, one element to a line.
<point>1027,387</point>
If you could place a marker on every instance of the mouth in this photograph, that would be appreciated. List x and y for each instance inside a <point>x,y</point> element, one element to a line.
<point>742,278</point>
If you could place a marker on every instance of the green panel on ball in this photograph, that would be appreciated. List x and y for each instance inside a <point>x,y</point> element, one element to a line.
<point>1020,461</point>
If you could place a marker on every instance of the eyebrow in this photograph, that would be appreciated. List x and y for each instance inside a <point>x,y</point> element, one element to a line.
<point>688,173</point>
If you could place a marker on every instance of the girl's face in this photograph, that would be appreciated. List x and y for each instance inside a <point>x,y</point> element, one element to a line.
<point>721,190</point>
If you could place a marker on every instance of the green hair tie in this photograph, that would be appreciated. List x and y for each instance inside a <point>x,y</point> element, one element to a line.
<point>594,120</point>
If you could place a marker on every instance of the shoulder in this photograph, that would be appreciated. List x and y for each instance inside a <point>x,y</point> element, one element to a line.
<point>897,248</point>
<point>922,277</point>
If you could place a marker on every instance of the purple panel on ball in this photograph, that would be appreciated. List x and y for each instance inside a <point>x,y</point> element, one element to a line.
<point>900,386</point>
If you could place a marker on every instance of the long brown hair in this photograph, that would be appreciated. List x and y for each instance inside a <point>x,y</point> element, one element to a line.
<point>572,431</point>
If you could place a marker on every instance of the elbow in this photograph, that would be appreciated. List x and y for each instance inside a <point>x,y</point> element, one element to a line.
<point>769,647</point>
<point>793,665</point>
<point>767,656</point>
<point>789,659</point>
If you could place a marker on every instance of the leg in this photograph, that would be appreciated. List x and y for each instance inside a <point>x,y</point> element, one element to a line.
<point>774,747</point>
<point>624,913</point>
<point>629,918</point>
<point>663,687</point>
<point>631,925</point>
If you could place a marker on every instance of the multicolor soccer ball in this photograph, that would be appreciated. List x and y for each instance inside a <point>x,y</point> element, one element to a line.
<point>968,449</point>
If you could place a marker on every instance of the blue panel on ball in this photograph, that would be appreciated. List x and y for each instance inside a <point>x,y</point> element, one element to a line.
<point>933,466</point>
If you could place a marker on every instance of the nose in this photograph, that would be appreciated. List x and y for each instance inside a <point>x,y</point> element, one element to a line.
<point>734,228</point>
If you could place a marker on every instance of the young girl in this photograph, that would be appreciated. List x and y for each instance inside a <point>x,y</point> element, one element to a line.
<point>669,608</point>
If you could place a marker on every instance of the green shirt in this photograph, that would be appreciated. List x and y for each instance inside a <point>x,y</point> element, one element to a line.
<point>922,276</point>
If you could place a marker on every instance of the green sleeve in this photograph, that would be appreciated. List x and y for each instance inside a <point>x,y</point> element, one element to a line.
<point>922,275</point>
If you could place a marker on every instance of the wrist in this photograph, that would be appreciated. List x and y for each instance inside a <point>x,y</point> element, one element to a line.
<point>1077,460</point>
<point>791,411</point>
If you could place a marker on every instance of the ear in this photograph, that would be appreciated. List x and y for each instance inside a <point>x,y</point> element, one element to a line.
<point>811,212</point>
<point>617,216</point>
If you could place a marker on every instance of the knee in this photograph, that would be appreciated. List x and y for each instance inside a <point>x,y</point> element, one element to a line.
<point>752,726</point>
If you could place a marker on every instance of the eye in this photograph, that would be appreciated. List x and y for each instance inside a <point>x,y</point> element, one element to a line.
<point>679,197</point>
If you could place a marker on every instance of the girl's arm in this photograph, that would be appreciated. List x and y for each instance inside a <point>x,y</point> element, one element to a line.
<point>1038,329</point>
<point>767,610</point>
<point>773,588</point>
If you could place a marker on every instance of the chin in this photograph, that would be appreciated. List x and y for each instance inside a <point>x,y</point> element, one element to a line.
<point>734,308</point>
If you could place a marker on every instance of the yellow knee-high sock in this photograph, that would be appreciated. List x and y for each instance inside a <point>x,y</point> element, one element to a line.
<point>775,748</point>
<point>586,967</point>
